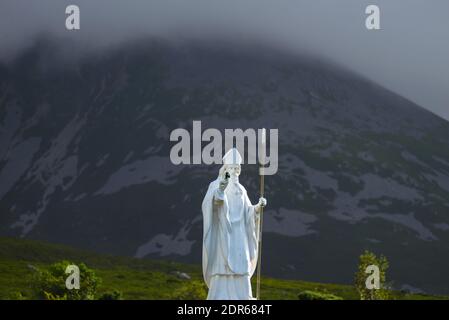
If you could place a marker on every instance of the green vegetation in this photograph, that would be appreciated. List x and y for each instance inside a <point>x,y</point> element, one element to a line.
<point>113,295</point>
<point>26,267</point>
<point>370,259</point>
<point>314,295</point>
<point>50,283</point>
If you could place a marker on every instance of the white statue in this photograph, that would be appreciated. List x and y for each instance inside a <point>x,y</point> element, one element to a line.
<point>231,232</point>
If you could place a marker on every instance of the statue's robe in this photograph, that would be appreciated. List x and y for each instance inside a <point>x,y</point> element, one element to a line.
<point>230,242</point>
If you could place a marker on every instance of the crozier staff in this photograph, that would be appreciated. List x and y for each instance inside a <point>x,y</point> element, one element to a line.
<point>262,187</point>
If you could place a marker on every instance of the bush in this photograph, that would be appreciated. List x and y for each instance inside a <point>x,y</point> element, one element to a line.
<point>315,295</point>
<point>192,290</point>
<point>50,284</point>
<point>366,259</point>
<point>111,295</point>
<point>17,295</point>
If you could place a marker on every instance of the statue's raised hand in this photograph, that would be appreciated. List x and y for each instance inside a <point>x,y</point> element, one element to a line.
<point>224,181</point>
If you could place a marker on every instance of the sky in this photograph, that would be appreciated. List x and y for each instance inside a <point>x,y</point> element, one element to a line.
<point>408,55</point>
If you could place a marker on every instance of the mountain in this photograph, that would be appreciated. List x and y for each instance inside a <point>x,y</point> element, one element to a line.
<point>84,158</point>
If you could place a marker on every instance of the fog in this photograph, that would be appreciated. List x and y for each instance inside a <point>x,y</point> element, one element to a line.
<point>409,55</point>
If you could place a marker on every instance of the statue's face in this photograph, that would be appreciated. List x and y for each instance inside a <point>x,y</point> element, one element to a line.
<point>234,170</point>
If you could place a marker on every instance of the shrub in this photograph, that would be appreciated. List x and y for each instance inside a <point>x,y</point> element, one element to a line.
<point>366,259</point>
<point>111,295</point>
<point>191,290</point>
<point>50,284</point>
<point>17,295</point>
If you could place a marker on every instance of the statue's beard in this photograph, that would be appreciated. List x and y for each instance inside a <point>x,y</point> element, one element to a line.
<point>234,177</point>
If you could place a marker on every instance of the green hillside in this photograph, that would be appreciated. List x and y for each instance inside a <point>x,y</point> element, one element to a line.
<point>137,278</point>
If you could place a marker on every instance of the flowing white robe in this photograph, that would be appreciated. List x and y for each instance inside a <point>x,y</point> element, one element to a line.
<point>230,242</point>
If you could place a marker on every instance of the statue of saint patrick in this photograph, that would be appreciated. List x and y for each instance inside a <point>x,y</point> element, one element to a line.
<point>230,234</point>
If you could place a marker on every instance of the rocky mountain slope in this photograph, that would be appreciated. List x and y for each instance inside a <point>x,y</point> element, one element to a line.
<point>84,158</point>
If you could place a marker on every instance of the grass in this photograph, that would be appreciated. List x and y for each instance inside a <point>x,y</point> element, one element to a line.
<point>139,278</point>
